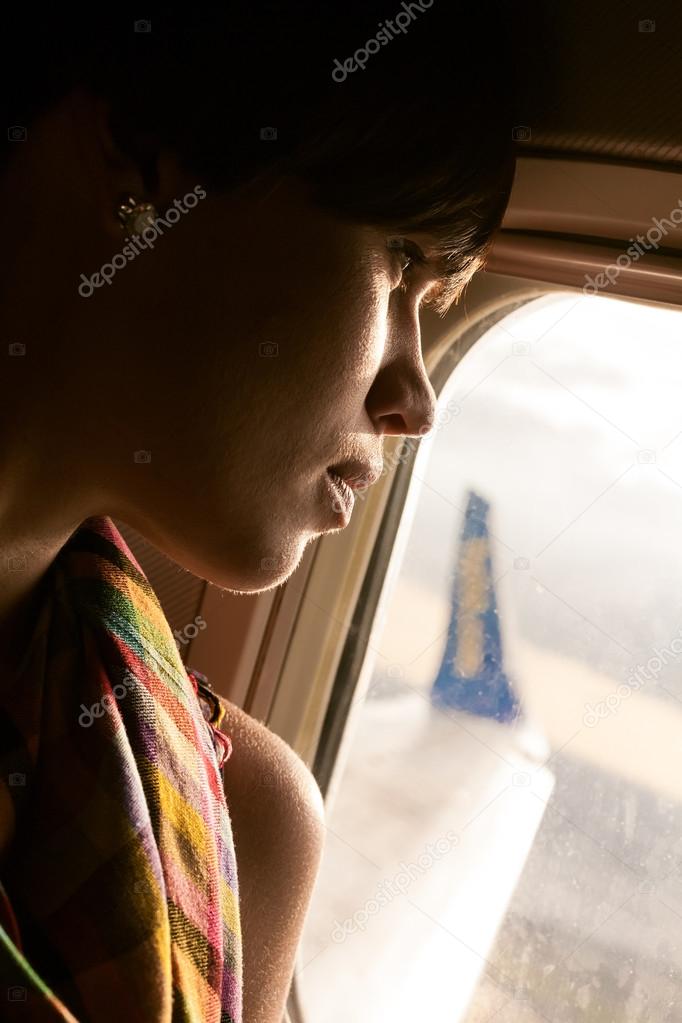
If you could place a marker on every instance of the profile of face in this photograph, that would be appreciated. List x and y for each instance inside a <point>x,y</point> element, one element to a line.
<point>203,392</point>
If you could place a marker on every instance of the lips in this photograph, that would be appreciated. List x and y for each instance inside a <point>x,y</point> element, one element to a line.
<point>358,475</point>
<point>344,496</point>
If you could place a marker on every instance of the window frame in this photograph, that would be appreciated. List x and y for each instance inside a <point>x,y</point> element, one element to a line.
<point>386,556</point>
<point>355,660</point>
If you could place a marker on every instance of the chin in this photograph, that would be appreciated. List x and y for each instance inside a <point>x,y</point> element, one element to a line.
<point>234,559</point>
<point>254,572</point>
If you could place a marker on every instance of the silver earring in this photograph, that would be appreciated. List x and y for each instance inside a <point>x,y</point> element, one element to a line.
<point>135,216</point>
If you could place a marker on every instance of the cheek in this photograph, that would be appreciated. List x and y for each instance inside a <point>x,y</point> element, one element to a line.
<point>331,346</point>
<point>356,334</point>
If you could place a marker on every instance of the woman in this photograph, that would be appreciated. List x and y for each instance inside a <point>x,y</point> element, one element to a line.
<point>219,230</point>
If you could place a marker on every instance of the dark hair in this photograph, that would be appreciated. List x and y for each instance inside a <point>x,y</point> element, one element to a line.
<point>420,139</point>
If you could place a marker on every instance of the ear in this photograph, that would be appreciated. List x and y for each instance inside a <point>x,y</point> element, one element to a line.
<point>124,160</point>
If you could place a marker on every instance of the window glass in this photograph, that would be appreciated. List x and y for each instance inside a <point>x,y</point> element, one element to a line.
<point>505,840</point>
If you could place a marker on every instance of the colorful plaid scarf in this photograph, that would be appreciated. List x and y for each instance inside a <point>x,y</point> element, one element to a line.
<point>119,897</point>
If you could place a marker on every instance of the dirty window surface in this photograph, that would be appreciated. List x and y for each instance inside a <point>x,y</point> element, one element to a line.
<point>505,834</point>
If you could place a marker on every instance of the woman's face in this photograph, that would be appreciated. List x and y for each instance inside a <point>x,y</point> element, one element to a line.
<point>220,374</point>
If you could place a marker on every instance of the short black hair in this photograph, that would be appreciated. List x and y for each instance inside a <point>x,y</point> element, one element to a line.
<point>396,114</point>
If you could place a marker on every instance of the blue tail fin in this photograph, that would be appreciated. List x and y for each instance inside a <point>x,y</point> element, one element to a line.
<point>471,676</point>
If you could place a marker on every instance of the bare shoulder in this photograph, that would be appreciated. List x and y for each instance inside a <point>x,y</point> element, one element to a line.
<point>277,816</point>
<point>265,769</point>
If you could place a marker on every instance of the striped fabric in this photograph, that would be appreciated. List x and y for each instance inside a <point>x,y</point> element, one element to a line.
<point>119,896</point>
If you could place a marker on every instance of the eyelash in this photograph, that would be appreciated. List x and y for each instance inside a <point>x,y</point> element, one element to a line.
<point>414,255</point>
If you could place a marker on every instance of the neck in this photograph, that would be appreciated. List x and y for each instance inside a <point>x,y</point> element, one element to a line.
<point>36,520</point>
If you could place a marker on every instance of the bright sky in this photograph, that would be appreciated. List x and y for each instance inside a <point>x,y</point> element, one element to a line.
<point>569,423</point>
<point>562,408</point>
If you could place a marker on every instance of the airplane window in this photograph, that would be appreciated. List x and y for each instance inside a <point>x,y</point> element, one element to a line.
<point>505,838</point>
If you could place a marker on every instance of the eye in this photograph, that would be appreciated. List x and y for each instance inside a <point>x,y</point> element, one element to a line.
<point>408,254</point>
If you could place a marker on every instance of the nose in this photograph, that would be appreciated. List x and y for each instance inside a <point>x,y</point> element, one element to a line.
<point>401,400</point>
